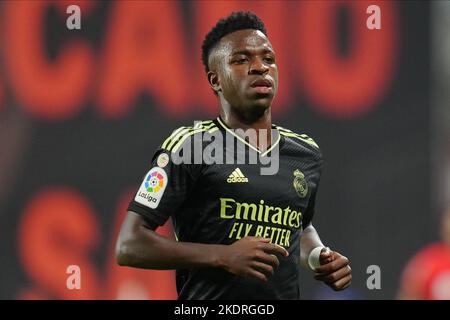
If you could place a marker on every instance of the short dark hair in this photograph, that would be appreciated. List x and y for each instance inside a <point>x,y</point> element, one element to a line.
<point>235,21</point>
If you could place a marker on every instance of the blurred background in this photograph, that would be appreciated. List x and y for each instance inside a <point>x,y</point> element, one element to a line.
<point>82,111</point>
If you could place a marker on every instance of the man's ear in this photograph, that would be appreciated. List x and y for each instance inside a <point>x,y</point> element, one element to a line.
<point>214,82</point>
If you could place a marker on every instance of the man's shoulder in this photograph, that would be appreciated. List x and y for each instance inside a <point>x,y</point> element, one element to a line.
<point>184,134</point>
<point>300,138</point>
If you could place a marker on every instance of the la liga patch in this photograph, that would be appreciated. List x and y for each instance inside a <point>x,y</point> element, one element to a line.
<point>152,188</point>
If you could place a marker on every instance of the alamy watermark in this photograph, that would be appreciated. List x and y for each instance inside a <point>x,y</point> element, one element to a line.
<point>74,20</point>
<point>73,281</point>
<point>374,280</point>
<point>374,20</point>
<point>214,147</point>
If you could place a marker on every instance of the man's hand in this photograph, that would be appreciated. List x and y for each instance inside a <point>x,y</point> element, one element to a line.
<point>253,257</point>
<point>335,270</point>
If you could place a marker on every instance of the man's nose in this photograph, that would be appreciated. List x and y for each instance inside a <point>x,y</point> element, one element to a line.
<point>258,67</point>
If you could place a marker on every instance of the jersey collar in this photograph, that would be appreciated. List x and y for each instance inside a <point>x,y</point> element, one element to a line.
<point>223,125</point>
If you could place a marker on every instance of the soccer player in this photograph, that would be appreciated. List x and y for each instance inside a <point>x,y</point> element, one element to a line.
<point>240,234</point>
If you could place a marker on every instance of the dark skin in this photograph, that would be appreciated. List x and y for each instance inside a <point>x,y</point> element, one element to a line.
<point>237,61</point>
<point>140,246</point>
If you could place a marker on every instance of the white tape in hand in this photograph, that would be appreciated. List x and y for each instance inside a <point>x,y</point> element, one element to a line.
<point>314,257</point>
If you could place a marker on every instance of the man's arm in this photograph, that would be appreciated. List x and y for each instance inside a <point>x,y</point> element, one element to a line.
<point>334,268</point>
<point>139,246</point>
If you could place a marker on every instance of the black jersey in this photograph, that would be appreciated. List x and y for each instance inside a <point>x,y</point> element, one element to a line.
<point>220,203</point>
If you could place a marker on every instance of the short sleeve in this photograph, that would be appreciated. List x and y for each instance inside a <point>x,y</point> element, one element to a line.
<point>164,188</point>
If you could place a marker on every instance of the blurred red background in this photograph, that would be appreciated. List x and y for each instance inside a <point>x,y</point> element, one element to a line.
<point>82,111</point>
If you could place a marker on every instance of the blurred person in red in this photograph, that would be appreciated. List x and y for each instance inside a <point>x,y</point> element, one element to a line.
<point>427,274</point>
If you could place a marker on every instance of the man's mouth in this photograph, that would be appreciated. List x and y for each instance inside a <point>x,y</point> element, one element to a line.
<point>262,86</point>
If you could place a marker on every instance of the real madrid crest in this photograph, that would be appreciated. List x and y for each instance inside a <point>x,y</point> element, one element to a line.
<point>300,184</point>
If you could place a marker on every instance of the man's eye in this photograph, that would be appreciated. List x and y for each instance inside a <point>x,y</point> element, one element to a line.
<point>241,60</point>
<point>269,60</point>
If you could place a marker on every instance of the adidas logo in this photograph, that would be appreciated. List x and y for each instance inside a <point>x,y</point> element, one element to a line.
<point>237,176</point>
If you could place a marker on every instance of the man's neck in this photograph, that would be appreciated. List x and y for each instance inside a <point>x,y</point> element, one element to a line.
<point>235,121</point>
